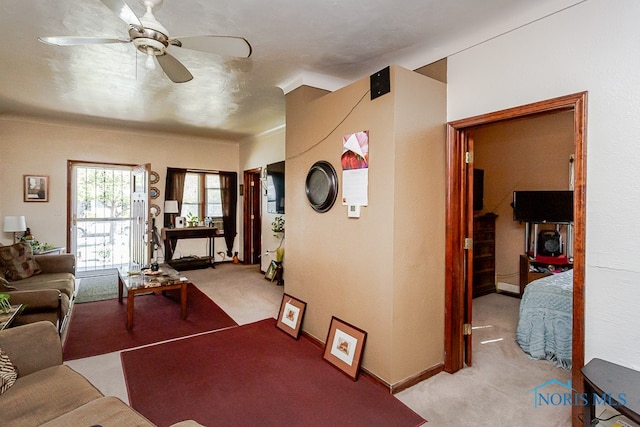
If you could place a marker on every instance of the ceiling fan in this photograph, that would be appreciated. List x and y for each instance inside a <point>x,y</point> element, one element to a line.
<point>152,39</point>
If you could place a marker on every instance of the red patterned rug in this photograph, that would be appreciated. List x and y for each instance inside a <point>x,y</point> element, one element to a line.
<point>100,327</point>
<point>253,375</point>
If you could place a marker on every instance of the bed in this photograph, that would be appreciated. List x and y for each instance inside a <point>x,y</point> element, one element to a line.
<point>545,323</point>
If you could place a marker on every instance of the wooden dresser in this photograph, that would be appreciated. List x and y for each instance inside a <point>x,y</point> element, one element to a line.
<point>484,254</point>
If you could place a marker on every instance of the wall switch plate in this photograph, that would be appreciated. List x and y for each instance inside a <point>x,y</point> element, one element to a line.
<point>353,211</point>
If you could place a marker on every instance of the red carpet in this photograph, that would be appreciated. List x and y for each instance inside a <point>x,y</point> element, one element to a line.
<point>253,375</point>
<point>100,327</point>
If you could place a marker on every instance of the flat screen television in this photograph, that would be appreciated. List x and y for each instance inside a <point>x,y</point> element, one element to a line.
<point>275,188</point>
<point>543,206</point>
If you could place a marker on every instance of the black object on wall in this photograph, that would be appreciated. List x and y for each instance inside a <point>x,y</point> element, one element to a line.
<point>543,206</point>
<point>380,83</point>
<point>275,188</point>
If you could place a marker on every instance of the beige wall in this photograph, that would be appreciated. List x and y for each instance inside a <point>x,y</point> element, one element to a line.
<point>383,272</point>
<point>36,147</point>
<point>522,154</point>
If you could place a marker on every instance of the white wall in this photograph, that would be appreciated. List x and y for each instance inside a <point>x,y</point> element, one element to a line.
<point>591,47</point>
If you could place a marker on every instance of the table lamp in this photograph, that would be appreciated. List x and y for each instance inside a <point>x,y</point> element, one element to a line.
<point>171,208</point>
<point>14,224</point>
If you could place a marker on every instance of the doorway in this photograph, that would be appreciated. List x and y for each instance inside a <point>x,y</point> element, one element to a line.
<point>100,215</point>
<point>252,247</point>
<point>459,223</point>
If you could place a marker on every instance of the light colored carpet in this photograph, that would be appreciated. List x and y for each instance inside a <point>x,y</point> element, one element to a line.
<point>498,389</point>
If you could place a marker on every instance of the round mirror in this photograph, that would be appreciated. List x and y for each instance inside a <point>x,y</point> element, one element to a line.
<point>321,186</point>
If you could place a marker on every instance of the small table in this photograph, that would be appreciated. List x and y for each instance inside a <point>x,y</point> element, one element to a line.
<point>165,279</point>
<point>172,235</point>
<point>617,385</point>
<point>6,319</point>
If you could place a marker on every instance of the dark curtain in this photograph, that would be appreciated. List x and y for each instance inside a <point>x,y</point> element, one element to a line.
<point>229,190</point>
<point>173,190</point>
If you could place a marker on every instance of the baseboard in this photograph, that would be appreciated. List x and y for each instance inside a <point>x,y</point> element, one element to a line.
<point>415,379</point>
<point>391,388</point>
<point>508,288</point>
<point>313,339</point>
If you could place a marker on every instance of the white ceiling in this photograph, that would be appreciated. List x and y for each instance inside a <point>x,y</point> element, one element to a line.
<point>325,44</point>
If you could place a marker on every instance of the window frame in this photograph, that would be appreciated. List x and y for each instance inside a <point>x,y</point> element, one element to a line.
<point>202,195</point>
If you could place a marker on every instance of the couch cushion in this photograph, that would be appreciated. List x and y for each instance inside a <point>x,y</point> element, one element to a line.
<point>17,261</point>
<point>64,282</point>
<point>105,411</point>
<point>8,372</point>
<point>45,395</point>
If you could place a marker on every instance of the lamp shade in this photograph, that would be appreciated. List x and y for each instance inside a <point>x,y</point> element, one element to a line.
<point>171,206</point>
<point>14,224</point>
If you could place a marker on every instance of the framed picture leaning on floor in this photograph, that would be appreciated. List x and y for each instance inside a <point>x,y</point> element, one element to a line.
<point>344,347</point>
<point>291,315</point>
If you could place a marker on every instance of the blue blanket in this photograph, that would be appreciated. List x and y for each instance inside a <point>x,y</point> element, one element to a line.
<point>546,319</point>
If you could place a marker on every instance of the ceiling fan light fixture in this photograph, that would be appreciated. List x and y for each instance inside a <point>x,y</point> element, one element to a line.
<point>150,63</point>
<point>152,39</point>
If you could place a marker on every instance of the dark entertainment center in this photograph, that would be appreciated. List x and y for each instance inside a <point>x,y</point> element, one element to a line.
<point>545,252</point>
<point>548,242</point>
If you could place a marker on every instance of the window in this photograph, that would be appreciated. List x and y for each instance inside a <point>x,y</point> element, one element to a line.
<point>202,196</point>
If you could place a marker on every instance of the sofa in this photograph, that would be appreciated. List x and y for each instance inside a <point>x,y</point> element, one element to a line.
<point>49,393</point>
<point>45,284</point>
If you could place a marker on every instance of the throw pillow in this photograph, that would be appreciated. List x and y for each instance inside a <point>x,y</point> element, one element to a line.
<point>8,372</point>
<point>17,261</point>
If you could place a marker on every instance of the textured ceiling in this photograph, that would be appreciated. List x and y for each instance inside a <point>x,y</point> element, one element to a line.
<point>325,44</point>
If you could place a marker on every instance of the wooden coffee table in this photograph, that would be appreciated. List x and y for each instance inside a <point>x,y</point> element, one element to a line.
<point>165,279</point>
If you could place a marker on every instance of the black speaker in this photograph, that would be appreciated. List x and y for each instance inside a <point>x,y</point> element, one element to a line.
<point>549,243</point>
<point>380,83</point>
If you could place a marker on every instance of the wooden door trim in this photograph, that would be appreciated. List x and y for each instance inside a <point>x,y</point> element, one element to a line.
<point>247,221</point>
<point>454,268</point>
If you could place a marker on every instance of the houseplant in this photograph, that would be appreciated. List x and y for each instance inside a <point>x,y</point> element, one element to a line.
<point>277,226</point>
<point>192,220</point>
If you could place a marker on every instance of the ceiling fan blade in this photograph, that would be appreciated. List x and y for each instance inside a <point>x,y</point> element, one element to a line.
<point>221,45</point>
<point>74,41</point>
<point>124,12</point>
<point>174,69</point>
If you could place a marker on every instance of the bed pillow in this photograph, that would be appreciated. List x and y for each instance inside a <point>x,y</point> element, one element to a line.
<point>8,372</point>
<point>17,261</point>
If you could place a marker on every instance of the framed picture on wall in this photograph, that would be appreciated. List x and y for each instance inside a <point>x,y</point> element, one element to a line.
<point>344,347</point>
<point>290,315</point>
<point>36,188</point>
